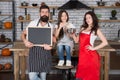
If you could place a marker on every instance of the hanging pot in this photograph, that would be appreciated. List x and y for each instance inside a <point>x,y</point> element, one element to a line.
<point>101,3</point>
<point>24,3</point>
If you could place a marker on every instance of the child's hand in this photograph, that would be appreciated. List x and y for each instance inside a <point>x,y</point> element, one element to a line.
<point>72,35</point>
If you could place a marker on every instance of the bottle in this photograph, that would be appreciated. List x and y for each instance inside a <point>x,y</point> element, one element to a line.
<point>28,17</point>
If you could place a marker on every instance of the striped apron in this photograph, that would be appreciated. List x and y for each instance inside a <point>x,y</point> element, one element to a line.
<point>39,59</point>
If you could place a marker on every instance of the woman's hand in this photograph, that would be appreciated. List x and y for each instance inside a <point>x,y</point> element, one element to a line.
<point>28,44</point>
<point>47,47</point>
<point>89,47</point>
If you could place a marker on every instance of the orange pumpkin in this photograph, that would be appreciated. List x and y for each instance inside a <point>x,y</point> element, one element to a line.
<point>6,52</point>
<point>7,66</point>
<point>1,66</point>
<point>8,25</point>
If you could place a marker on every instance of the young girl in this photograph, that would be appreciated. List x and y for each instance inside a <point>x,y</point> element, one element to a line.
<point>63,38</point>
<point>89,60</point>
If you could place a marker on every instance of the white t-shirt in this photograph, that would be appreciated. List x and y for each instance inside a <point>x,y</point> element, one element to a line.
<point>66,40</point>
<point>35,22</point>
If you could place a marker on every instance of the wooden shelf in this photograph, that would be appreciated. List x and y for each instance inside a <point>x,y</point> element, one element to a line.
<point>6,42</point>
<point>6,70</point>
<point>23,20</point>
<point>5,15</point>
<point>6,0</point>
<point>6,56</point>
<point>58,6</point>
<point>52,20</point>
<point>31,20</point>
<point>109,20</point>
<point>36,6</point>
<point>9,70</point>
<point>105,6</point>
<point>6,29</point>
<point>28,7</point>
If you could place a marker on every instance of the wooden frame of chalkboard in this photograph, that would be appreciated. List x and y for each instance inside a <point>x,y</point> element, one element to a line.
<point>40,35</point>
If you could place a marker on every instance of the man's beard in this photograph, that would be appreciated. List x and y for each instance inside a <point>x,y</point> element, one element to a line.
<point>44,18</point>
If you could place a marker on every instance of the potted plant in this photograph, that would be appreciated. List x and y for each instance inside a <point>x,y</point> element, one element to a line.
<point>113,14</point>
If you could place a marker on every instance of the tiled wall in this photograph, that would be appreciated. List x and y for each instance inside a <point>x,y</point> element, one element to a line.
<point>110,29</point>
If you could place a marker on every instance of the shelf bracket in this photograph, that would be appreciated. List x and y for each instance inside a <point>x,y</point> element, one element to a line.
<point>22,26</point>
<point>25,11</point>
<point>53,11</point>
<point>92,9</point>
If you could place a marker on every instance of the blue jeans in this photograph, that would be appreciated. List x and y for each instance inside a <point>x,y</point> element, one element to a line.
<point>60,52</point>
<point>34,76</point>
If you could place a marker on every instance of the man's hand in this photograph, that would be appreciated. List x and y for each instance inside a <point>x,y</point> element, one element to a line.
<point>28,44</point>
<point>47,47</point>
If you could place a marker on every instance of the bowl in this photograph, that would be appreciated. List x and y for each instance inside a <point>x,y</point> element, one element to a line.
<point>34,4</point>
<point>117,4</point>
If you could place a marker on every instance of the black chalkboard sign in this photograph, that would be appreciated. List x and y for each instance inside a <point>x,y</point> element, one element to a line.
<point>40,35</point>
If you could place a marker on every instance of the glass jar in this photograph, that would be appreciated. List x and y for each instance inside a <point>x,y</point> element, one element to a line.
<point>28,17</point>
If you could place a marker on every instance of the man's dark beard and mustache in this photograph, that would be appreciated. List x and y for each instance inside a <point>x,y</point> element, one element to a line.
<point>44,18</point>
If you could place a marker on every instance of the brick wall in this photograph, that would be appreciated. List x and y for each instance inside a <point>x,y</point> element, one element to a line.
<point>110,29</point>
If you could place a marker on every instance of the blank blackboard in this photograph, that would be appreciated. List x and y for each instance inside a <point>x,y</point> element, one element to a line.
<point>39,35</point>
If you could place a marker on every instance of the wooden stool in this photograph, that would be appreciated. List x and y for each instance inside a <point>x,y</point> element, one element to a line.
<point>66,76</point>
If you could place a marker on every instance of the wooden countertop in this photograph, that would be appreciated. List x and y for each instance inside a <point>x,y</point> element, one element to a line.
<point>113,46</point>
<point>20,50</point>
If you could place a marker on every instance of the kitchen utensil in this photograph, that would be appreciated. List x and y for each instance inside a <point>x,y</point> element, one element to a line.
<point>27,17</point>
<point>71,30</point>
<point>24,3</point>
<point>101,3</point>
<point>20,17</point>
<point>117,4</point>
<point>34,4</point>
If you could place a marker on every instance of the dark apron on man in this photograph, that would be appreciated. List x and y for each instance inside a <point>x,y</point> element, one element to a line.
<point>39,59</point>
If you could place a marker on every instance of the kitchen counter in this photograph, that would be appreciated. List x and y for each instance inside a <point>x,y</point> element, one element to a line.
<point>18,45</point>
<point>20,53</point>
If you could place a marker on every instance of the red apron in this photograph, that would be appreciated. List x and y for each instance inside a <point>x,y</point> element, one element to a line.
<point>88,67</point>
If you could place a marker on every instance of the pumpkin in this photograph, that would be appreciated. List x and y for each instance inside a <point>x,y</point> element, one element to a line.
<point>6,52</point>
<point>8,25</point>
<point>7,66</point>
<point>1,66</point>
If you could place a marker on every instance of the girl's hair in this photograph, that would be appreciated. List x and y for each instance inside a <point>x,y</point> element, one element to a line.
<point>61,33</point>
<point>95,25</point>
